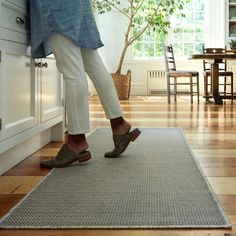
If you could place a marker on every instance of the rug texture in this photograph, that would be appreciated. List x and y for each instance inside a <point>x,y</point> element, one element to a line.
<point>157,183</point>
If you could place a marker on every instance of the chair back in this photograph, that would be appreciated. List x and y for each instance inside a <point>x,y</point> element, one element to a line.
<point>207,66</point>
<point>169,58</point>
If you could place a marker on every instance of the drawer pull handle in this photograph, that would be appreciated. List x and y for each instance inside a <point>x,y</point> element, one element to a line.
<point>38,64</point>
<point>45,65</point>
<point>41,65</point>
<point>19,20</point>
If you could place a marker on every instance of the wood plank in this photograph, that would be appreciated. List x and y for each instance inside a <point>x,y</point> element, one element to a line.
<point>223,185</point>
<point>228,203</point>
<point>216,144</point>
<point>54,144</point>
<point>7,201</point>
<point>29,167</point>
<point>223,153</point>
<point>46,152</point>
<point>18,184</point>
<point>217,162</point>
<point>220,171</point>
<point>118,232</point>
<point>232,219</point>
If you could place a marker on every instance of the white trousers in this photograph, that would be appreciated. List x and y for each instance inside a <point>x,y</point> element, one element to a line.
<point>74,62</point>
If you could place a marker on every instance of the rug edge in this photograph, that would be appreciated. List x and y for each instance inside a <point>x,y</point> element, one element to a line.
<point>206,180</point>
<point>121,227</point>
<point>26,196</point>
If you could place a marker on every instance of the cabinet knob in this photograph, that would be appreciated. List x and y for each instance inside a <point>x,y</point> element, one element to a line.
<point>19,20</point>
<point>38,64</point>
<point>41,65</point>
<point>45,65</point>
<point>27,64</point>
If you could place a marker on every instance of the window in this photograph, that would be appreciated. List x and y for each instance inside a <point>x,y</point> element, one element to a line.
<point>185,34</point>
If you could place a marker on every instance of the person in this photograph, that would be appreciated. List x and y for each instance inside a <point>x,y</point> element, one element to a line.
<point>68,30</point>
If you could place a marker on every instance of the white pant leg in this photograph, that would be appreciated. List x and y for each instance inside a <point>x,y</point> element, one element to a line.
<point>102,81</point>
<point>70,63</point>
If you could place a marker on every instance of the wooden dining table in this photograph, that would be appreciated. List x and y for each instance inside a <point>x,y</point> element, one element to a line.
<point>214,59</point>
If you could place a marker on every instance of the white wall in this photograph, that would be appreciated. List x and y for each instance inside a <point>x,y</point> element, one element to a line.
<point>215,23</point>
<point>112,26</point>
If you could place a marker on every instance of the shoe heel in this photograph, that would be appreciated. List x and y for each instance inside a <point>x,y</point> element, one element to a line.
<point>136,133</point>
<point>84,159</point>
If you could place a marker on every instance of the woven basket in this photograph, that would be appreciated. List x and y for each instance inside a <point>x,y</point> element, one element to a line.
<point>122,84</point>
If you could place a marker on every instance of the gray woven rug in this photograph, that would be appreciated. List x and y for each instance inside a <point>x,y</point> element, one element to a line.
<point>156,184</point>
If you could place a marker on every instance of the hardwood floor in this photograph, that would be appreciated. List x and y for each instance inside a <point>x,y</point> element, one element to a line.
<point>210,130</point>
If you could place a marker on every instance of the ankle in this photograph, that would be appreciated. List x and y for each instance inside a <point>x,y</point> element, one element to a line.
<point>120,126</point>
<point>76,138</point>
<point>77,143</point>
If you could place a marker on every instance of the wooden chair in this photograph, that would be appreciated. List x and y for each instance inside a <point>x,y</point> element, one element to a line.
<point>223,82</point>
<point>179,77</point>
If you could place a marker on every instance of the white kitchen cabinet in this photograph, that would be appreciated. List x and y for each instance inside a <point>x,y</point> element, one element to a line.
<point>17,90</point>
<point>31,91</point>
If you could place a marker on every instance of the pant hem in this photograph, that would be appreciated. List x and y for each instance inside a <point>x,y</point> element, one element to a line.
<point>114,116</point>
<point>79,132</point>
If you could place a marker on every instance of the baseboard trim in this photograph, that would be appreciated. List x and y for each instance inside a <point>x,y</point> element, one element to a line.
<point>18,153</point>
<point>15,149</point>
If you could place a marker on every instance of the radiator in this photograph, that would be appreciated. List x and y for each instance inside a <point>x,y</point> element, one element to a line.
<point>156,82</point>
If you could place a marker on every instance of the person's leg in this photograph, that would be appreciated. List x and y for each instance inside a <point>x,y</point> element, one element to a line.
<point>105,88</point>
<point>70,63</point>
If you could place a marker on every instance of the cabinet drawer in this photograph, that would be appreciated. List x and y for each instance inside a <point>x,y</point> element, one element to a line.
<point>14,36</point>
<point>13,17</point>
<point>19,3</point>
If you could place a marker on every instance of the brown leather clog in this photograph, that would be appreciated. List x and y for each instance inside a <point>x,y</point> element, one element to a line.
<point>121,142</point>
<point>65,157</point>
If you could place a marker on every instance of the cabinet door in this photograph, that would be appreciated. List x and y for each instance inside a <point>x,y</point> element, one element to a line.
<point>17,93</point>
<point>51,90</point>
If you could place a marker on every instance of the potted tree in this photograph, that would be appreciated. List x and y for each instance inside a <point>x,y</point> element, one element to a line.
<point>141,16</point>
<point>232,45</point>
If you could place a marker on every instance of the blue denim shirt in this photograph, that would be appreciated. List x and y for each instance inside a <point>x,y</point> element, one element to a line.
<point>72,18</point>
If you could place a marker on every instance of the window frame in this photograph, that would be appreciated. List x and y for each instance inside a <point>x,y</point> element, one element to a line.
<point>169,37</point>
